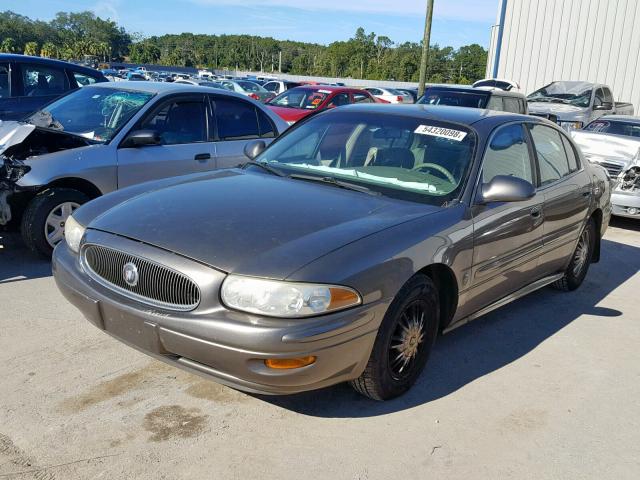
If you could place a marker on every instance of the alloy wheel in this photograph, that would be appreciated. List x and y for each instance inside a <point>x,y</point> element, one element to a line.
<point>407,340</point>
<point>54,225</point>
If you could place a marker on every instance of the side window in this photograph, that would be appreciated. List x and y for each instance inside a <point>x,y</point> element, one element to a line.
<point>39,80</point>
<point>599,98</point>
<point>511,104</point>
<point>179,122</point>
<point>236,119</point>
<point>523,106</point>
<point>267,130</point>
<point>339,100</point>
<point>508,154</point>
<point>83,80</point>
<point>607,95</point>
<point>4,80</point>
<point>571,154</point>
<point>362,98</point>
<point>495,103</point>
<point>271,86</point>
<point>374,91</point>
<point>552,159</point>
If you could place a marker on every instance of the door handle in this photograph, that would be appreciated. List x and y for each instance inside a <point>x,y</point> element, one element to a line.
<point>202,156</point>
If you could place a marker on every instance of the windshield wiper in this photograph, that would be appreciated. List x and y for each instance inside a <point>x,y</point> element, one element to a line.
<point>335,183</point>
<point>265,167</point>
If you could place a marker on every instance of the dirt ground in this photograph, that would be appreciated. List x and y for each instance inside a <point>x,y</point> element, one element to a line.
<point>547,387</point>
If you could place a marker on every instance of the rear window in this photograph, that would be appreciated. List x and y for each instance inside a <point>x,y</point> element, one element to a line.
<point>615,127</point>
<point>455,98</point>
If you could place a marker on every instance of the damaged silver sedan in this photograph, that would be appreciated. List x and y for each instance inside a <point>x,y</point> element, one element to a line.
<point>105,137</point>
<point>614,143</point>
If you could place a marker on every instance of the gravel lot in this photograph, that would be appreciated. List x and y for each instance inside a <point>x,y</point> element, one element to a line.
<point>547,387</point>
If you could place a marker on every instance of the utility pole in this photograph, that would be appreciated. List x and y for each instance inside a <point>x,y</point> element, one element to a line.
<point>280,61</point>
<point>425,48</point>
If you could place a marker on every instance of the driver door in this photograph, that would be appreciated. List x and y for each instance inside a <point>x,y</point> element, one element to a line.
<point>507,235</point>
<point>184,148</point>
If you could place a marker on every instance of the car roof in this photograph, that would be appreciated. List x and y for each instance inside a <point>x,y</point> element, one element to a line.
<point>8,57</point>
<point>330,88</point>
<point>469,88</point>
<point>464,115</point>
<point>154,87</point>
<point>621,118</point>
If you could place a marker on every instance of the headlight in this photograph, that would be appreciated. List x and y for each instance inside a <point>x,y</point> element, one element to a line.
<point>73,233</point>
<point>570,126</point>
<point>285,299</point>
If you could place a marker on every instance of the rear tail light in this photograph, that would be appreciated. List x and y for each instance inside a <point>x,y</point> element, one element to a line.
<point>399,98</point>
<point>254,96</point>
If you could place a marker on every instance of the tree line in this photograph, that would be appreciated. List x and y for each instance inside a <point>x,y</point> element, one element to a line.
<point>72,36</point>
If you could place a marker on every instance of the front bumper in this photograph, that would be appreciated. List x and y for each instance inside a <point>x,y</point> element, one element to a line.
<point>623,204</point>
<point>226,346</point>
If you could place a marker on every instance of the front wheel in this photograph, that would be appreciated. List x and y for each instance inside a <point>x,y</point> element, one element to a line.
<point>579,265</point>
<point>403,343</point>
<point>44,218</point>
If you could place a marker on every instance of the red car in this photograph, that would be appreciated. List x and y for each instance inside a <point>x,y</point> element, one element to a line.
<point>297,103</point>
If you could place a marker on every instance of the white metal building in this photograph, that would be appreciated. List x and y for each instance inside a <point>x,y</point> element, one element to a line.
<point>546,40</point>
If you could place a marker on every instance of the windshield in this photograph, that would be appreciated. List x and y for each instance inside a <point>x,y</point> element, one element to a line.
<point>434,96</point>
<point>403,157</point>
<point>250,86</point>
<point>94,113</point>
<point>615,127</point>
<point>573,93</point>
<point>301,98</point>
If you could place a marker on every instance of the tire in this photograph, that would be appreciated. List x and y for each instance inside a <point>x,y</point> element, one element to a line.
<point>381,379</point>
<point>34,218</point>
<point>580,260</point>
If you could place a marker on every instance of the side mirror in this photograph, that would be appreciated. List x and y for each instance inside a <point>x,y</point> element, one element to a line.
<point>604,106</point>
<point>254,148</point>
<point>141,138</point>
<point>505,188</point>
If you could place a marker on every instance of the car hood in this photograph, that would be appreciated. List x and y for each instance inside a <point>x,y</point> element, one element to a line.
<point>554,108</point>
<point>290,114</point>
<point>600,147</point>
<point>252,223</point>
<point>13,133</point>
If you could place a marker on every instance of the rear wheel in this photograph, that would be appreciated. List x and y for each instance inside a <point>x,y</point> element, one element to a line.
<point>44,218</point>
<point>581,259</point>
<point>403,343</point>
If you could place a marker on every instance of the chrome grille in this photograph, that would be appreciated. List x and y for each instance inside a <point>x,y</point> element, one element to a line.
<point>156,284</point>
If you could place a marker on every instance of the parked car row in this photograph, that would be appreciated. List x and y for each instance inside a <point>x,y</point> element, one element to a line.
<point>194,224</point>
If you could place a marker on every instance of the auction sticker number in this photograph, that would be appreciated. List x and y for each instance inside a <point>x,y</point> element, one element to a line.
<point>441,132</point>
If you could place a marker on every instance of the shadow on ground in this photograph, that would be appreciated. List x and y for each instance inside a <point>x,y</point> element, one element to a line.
<point>625,223</point>
<point>18,263</point>
<point>487,344</point>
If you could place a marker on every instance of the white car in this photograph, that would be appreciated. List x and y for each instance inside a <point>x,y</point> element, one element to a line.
<point>279,86</point>
<point>390,95</point>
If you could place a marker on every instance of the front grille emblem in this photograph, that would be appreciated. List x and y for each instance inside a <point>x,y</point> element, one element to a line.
<point>130,274</point>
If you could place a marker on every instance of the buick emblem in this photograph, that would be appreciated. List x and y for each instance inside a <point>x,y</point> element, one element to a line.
<point>130,274</point>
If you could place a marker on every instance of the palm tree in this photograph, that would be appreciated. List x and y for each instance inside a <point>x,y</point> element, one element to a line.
<point>8,45</point>
<point>49,50</point>
<point>31,48</point>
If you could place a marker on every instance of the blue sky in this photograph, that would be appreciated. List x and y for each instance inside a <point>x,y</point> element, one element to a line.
<point>455,22</point>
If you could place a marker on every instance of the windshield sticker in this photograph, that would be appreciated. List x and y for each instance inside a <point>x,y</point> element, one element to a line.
<point>434,131</point>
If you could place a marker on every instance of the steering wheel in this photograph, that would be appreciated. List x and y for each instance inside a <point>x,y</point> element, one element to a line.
<point>438,168</point>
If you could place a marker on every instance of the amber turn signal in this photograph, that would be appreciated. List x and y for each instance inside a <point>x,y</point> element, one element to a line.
<point>288,363</point>
<point>342,298</point>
